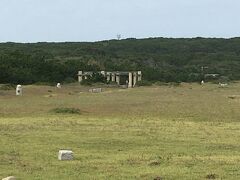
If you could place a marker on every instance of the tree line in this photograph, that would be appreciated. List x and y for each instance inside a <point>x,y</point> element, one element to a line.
<point>160,59</point>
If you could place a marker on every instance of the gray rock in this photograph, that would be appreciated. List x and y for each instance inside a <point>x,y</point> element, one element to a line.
<point>65,155</point>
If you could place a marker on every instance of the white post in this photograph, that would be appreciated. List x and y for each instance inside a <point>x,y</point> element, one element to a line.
<point>59,86</point>
<point>19,90</point>
<point>80,78</point>
<point>118,79</point>
<point>134,79</point>
<point>130,79</point>
<point>139,75</point>
<point>108,77</point>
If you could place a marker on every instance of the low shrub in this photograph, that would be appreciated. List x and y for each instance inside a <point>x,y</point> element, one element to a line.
<point>69,80</point>
<point>144,83</point>
<point>211,176</point>
<point>66,111</point>
<point>159,83</point>
<point>86,82</point>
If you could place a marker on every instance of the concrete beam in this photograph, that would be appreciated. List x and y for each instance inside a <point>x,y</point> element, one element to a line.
<point>118,79</point>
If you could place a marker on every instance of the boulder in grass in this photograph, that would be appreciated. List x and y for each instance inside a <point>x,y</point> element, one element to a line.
<point>9,178</point>
<point>65,155</point>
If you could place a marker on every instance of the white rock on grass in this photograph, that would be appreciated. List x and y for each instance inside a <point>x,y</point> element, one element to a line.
<point>9,178</point>
<point>59,86</point>
<point>65,155</point>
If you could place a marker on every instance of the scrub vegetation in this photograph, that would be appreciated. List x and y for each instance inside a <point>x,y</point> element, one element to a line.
<point>159,132</point>
<point>160,59</point>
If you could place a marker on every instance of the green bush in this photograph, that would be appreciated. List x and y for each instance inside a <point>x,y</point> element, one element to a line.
<point>144,83</point>
<point>86,82</point>
<point>69,80</point>
<point>160,83</point>
<point>66,111</point>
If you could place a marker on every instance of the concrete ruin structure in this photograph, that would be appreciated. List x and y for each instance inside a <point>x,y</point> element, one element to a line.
<point>129,78</point>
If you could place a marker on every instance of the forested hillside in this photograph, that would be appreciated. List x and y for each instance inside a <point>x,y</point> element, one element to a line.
<point>160,59</point>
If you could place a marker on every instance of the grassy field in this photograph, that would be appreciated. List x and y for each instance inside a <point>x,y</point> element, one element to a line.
<point>185,132</point>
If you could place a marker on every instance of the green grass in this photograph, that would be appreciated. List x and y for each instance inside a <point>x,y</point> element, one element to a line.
<point>186,132</point>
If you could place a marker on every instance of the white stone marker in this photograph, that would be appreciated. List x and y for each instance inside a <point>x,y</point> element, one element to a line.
<point>19,90</point>
<point>65,155</point>
<point>59,86</point>
<point>9,178</point>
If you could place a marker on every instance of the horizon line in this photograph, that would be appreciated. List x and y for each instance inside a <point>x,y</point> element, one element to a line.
<point>115,39</point>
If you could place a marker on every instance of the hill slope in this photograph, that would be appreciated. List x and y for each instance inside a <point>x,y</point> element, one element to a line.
<point>160,59</point>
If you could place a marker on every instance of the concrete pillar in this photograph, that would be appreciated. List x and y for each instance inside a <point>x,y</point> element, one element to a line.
<point>134,79</point>
<point>113,77</point>
<point>80,78</point>
<point>103,73</point>
<point>139,75</point>
<point>108,77</point>
<point>130,80</point>
<point>118,79</point>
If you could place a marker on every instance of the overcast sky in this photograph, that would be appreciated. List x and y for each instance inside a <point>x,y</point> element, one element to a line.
<point>93,20</point>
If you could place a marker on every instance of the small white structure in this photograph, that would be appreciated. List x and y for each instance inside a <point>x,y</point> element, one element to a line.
<point>9,178</point>
<point>202,82</point>
<point>19,90</point>
<point>65,155</point>
<point>59,86</point>
<point>96,90</point>
<point>223,84</point>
